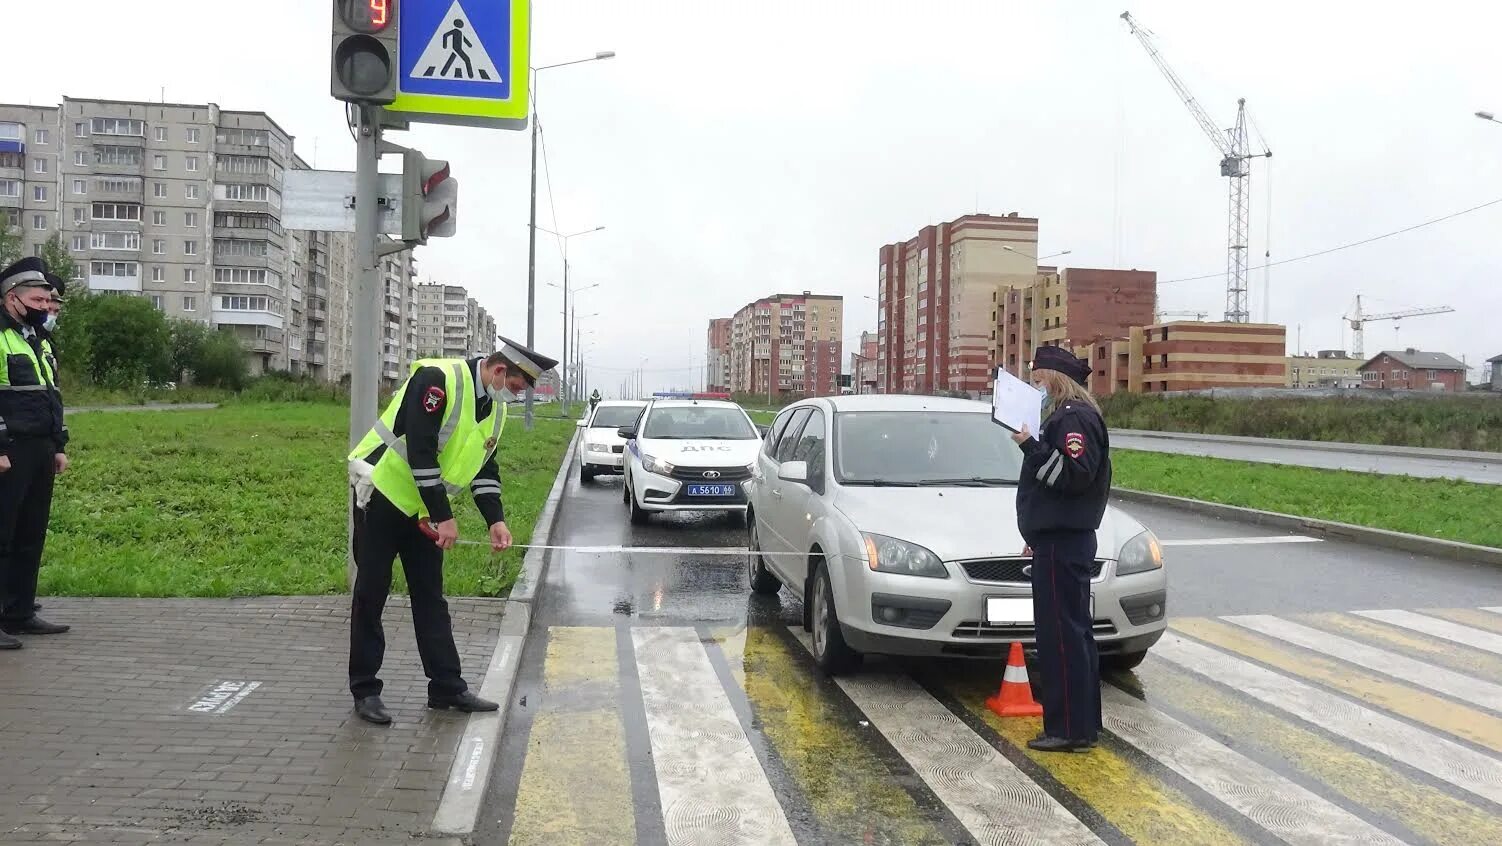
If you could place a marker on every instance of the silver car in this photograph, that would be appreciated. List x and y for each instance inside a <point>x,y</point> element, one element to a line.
<point>894,519</point>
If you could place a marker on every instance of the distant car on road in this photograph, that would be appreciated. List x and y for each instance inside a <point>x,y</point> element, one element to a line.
<point>689,455</point>
<point>601,448</point>
<point>894,518</point>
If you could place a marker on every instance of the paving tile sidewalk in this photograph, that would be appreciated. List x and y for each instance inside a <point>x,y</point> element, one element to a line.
<point>142,726</point>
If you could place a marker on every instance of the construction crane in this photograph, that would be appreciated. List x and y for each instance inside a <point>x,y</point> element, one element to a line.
<point>1359,321</point>
<point>1197,315</point>
<point>1235,165</point>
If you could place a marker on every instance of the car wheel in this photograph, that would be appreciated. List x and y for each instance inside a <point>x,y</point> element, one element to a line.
<point>585,474</point>
<point>832,654</point>
<point>626,489</point>
<point>638,516</point>
<point>761,579</point>
<point>1122,662</point>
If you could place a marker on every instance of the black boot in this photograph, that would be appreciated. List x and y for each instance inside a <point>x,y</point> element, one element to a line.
<point>372,710</point>
<point>466,701</point>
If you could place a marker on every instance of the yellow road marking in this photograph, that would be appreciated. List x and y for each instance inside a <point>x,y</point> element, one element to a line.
<point>1141,805</point>
<point>575,788</point>
<point>1397,697</point>
<point>852,793</point>
<point>1473,617</point>
<point>1452,656</point>
<point>1425,810</point>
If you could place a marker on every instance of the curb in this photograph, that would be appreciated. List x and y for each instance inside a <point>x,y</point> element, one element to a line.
<point>469,775</point>
<point>1469,456</point>
<point>1417,544</point>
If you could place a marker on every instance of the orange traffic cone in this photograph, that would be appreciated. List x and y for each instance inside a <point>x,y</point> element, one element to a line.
<point>1015,699</point>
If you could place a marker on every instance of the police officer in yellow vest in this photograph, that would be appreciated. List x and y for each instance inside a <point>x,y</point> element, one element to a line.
<point>33,440</point>
<point>436,438</point>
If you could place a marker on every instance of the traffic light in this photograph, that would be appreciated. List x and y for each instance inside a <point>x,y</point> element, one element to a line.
<point>430,198</point>
<point>363,53</point>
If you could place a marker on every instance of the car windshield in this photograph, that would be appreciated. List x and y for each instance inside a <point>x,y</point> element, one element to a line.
<point>614,416</point>
<point>696,422</point>
<point>923,448</point>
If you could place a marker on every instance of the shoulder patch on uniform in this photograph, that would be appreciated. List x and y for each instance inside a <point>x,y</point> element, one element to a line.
<point>432,400</point>
<point>1074,444</point>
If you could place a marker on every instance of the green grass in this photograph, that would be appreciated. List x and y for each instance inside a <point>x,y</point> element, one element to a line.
<point>249,499</point>
<point>762,418</point>
<point>1438,508</point>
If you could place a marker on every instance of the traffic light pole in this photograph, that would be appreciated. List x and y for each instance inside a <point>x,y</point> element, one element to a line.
<point>365,299</point>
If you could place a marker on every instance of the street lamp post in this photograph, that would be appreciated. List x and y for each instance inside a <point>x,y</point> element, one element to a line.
<point>532,218</point>
<point>566,238</point>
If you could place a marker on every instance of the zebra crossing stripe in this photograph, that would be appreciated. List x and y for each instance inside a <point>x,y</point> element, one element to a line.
<point>1443,629</point>
<point>713,788</point>
<point>1448,682</point>
<point>1444,759</point>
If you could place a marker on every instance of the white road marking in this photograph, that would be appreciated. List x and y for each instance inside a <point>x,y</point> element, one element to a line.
<point>459,804</point>
<point>1239,541</point>
<point>996,802</point>
<point>1421,673</point>
<point>1443,629</point>
<point>713,787</point>
<point>222,696</point>
<point>1285,809</point>
<point>1444,759</point>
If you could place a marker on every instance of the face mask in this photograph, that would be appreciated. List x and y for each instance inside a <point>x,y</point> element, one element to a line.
<point>37,317</point>
<point>500,394</point>
<point>1043,389</point>
<point>50,324</point>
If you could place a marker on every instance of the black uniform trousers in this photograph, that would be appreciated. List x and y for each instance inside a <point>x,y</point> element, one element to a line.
<point>383,532</point>
<point>25,508</point>
<point>1067,659</point>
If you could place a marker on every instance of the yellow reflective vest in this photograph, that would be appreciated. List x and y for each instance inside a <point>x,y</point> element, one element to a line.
<point>464,443</point>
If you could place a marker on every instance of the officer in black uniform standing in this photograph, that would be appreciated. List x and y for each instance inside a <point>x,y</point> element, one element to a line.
<point>33,440</point>
<point>1061,498</point>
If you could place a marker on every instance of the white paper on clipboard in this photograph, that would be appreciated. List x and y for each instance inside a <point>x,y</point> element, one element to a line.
<point>1015,403</point>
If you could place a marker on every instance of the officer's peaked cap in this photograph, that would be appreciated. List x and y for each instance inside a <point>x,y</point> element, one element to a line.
<point>1062,360</point>
<point>29,272</point>
<point>531,363</point>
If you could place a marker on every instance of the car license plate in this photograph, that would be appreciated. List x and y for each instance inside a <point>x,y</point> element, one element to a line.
<point>711,490</point>
<point>1012,610</point>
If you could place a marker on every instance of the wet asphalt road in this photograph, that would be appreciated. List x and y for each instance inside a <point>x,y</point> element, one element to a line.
<point>659,702</point>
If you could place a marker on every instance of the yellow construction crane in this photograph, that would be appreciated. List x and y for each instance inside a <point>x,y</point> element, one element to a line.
<point>1235,165</point>
<point>1359,320</point>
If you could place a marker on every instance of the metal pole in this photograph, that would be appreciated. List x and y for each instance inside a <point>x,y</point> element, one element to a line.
<point>532,251</point>
<point>365,305</point>
<point>563,392</point>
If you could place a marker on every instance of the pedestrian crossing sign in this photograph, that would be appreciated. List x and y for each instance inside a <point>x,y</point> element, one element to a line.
<point>463,62</point>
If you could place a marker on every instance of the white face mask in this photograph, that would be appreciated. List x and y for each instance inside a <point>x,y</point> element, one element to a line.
<point>50,324</point>
<point>500,394</point>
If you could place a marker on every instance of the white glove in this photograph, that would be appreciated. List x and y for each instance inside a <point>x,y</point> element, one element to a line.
<point>360,477</point>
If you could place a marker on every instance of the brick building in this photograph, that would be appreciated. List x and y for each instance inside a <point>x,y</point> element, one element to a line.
<point>934,298</point>
<point>863,365</point>
<point>1191,356</point>
<point>1324,369</point>
<point>717,355</point>
<point>1069,307</point>
<point>1413,370</point>
<point>795,336</point>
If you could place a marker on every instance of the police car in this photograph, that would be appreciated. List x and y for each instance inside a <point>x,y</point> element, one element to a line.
<point>689,454</point>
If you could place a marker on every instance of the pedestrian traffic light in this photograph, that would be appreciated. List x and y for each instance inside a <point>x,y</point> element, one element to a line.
<point>430,198</point>
<point>363,52</point>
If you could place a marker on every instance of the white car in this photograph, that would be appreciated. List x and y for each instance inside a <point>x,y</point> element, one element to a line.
<point>601,448</point>
<point>894,519</point>
<point>689,455</point>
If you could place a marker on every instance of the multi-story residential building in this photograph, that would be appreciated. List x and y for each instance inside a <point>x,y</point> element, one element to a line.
<point>717,355</point>
<point>1325,369</point>
<point>935,294</point>
<point>794,336</point>
<point>863,365</point>
<point>451,324</point>
<point>484,336</point>
<point>1189,356</point>
<point>181,203</point>
<point>1069,307</point>
<point>1413,370</point>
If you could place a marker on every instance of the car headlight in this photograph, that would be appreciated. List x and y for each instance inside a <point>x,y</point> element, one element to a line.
<point>890,555</point>
<point>654,465</point>
<point>1140,554</point>
<point>597,447</point>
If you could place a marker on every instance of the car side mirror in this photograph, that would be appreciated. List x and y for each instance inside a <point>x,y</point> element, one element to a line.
<point>581,424</point>
<point>793,471</point>
<point>627,432</point>
<point>763,430</point>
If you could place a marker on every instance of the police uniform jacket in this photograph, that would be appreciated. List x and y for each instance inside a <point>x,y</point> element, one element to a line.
<point>30,405</point>
<point>1066,473</point>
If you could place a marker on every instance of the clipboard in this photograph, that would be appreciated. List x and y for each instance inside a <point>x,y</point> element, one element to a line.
<point>1015,403</point>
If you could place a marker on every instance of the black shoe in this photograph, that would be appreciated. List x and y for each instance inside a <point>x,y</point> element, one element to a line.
<point>1044,743</point>
<point>372,710</point>
<point>466,701</point>
<point>34,626</point>
<point>36,606</point>
<point>8,642</point>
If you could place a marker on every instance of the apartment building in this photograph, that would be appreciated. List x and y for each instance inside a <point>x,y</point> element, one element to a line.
<point>1413,370</point>
<point>1190,356</point>
<point>717,355</point>
<point>1069,307</point>
<point>1324,369</point>
<point>935,298</point>
<point>181,203</point>
<point>794,336</point>
<point>452,324</point>
<point>863,365</point>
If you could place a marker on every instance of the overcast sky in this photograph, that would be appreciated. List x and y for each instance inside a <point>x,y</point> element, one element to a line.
<point>738,149</point>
